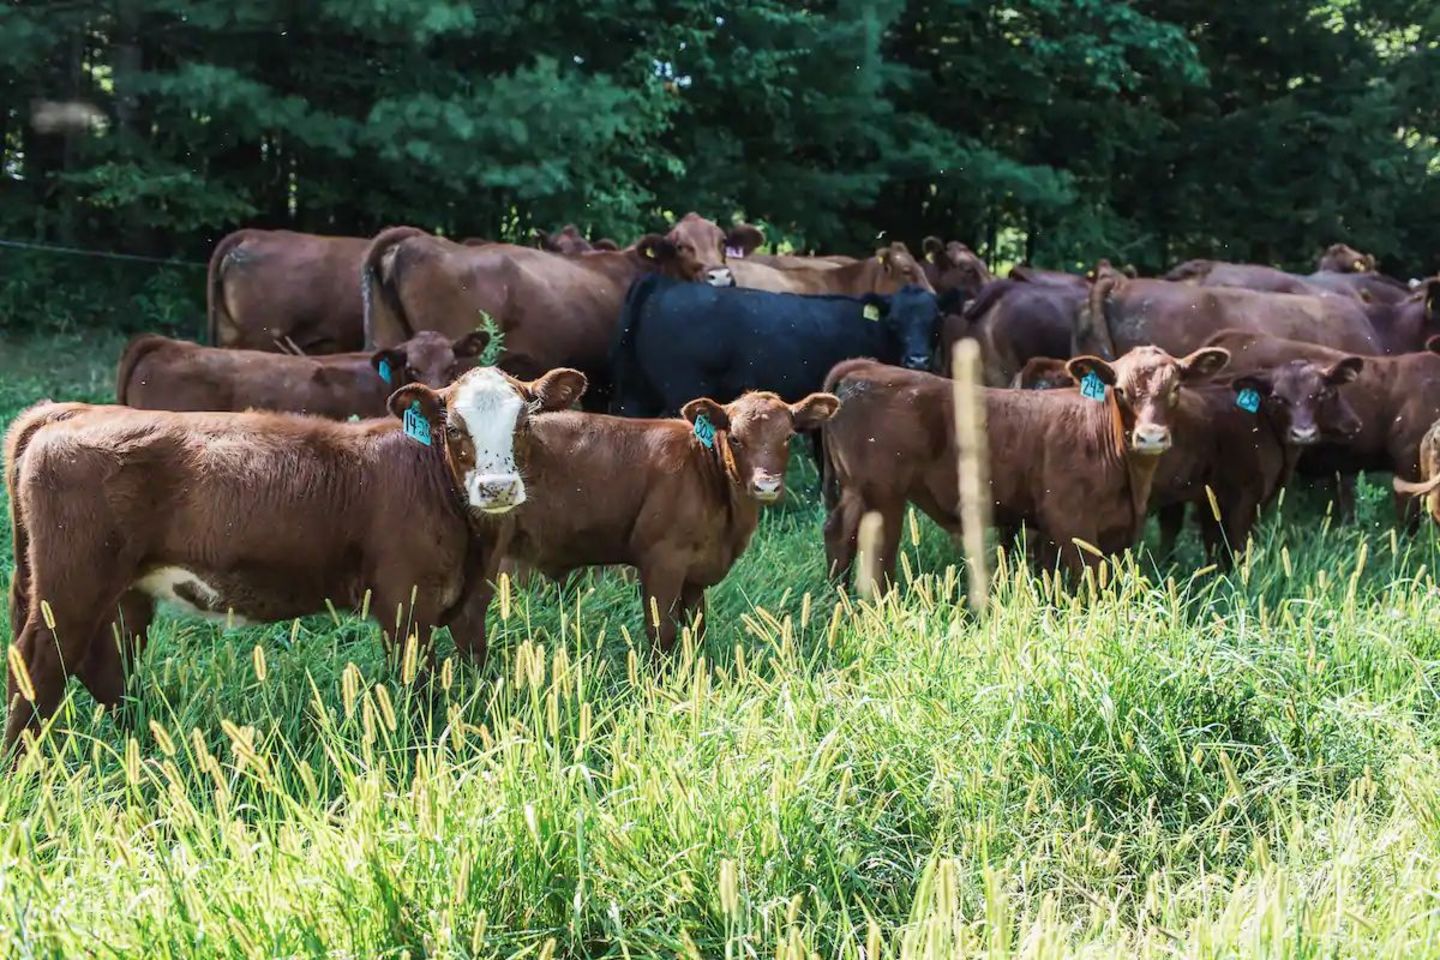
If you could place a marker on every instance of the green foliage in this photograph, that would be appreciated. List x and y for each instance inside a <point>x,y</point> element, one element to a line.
<point>1058,130</point>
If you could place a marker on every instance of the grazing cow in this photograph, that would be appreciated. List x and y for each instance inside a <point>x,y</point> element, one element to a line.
<point>269,289</point>
<point>1060,462</point>
<point>1121,313</point>
<point>157,373</point>
<point>676,499</point>
<point>257,517</point>
<point>954,266</point>
<point>1395,398</point>
<point>1428,487</point>
<point>1014,321</point>
<point>891,268</point>
<point>1242,441</point>
<point>681,341</point>
<point>553,310</point>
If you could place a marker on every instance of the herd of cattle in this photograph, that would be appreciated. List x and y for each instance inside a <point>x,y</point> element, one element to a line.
<point>340,443</point>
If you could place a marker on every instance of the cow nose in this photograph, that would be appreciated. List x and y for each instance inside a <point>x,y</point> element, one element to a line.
<point>1307,434</point>
<point>497,493</point>
<point>720,276</point>
<point>766,486</point>
<point>917,361</point>
<point>1150,438</point>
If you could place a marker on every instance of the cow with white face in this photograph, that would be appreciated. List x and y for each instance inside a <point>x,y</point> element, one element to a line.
<point>480,423</point>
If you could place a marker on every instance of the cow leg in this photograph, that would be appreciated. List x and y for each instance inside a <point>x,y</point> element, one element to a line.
<point>47,655</point>
<point>466,619</point>
<point>1172,522</point>
<point>115,649</point>
<point>1407,512</point>
<point>1344,497</point>
<point>841,527</point>
<point>692,605</point>
<point>660,585</point>
<point>892,518</point>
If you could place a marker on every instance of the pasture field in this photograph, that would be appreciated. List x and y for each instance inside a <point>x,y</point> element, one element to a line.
<point>1185,764</point>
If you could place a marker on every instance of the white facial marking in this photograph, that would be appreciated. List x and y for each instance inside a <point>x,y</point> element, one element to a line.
<point>488,409</point>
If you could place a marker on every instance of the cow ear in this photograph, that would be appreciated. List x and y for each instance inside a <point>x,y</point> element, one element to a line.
<point>1258,382</point>
<point>652,246</point>
<point>470,345</point>
<point>744,238</point>
<point>934,248</point>
<point>391,362</point>
<point>606,244</point>
<point>544,241</point>
<point>432,404</point>
<point>711,410</point>
<point>1344,371</point>
<point>557,390</point>
<point>1205,362</point>
<point>814,410</point>
<point>1082,367</point>
<point>1431,290</point>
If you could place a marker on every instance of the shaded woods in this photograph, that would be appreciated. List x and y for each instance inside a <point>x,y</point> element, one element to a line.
<point>1051,130</point>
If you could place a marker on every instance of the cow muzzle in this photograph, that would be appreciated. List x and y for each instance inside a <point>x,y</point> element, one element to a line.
<point>496,493</point>
<point>1150,439</point>
<point>766,487</point>
<point>917,361</point>
<point>1304,435</point>
<point>718,276</point>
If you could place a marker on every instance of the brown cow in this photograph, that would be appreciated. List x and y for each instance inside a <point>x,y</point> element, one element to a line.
<point>1428,487</point>
<point>268,289</point>
<point>157,373</point>
<point>1014,321</point>
<point>570,241</point>
<point>258,517</point>
<point>954,266</point>
<point>1022,273</point>
<point>553,310</point>
<point>1342,258</point>
<point>1396,399</point>
<point>1245,457</point>
<point>892,268</point>
<point>1248,276</point>
<point>1043,373</point>
<point>677,500</point>
<point>1121,313</point>
<point>704,249</point>
<point>1067,465</point>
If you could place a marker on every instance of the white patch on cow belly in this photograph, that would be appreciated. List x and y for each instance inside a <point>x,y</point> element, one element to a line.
<point>163,584</point>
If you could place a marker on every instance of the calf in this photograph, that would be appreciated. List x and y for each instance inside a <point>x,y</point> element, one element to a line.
<point>1072,467</point>
<point>676,499</point>
<point>681,341</point>
<point>1395,398</point>
<point>1241,441</point>
<point>259,517</point>
<point>1428,487</point>
<point>157,373</point>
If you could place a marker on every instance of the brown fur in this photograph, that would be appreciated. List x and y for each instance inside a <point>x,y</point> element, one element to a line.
<point>274,514</point>
<point>156,373</point>
<point>954,266</point>
<point>267,287</point>
<point>1014,321</point>
<point>1059,462</point>
<point>1427,488</point>
<point>890,269</point>
<point>1343,258</point>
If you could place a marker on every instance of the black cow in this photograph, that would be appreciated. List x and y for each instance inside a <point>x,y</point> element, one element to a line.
<point>679,341</point>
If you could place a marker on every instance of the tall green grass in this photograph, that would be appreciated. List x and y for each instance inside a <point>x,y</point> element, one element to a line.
<point>1160,763</point>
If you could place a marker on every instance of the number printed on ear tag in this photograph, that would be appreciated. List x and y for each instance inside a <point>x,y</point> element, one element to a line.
<point>417,428</point>
<point>705,431</point>
<point>1092,386</point>
<point>1248,400</point>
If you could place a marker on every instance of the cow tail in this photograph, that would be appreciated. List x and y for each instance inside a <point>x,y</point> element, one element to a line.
<point>385,322</point>
<point>217,311</point>
<point>824,462</point>
<point>1091,334</point>
<point>135,351</point>
<point>17,439</point>
<point>630,382</point>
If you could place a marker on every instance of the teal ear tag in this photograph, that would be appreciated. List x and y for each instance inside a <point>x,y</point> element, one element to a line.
<point>385,374</point>
<point>1248,400</point>
<point>417,428</point>
<point>1092,386</point>
<point>705,431</point>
